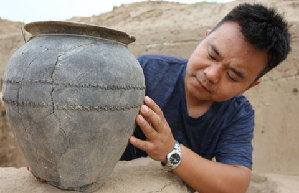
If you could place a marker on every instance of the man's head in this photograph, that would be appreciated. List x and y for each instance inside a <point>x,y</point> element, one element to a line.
<point>263,28</point>
<point>248,42</point>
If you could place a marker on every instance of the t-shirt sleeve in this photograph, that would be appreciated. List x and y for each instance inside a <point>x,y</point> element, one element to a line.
<point>141,61</point>
<point>235,144</point>
<point>161,74</point>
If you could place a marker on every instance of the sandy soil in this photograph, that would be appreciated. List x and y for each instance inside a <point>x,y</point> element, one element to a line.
<point>141,176</point>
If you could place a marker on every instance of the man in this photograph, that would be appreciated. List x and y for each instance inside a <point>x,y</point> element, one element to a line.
<point>194,109</point>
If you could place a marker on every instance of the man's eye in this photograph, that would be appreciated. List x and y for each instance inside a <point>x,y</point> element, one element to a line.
<point>210,56</point>
<point>230,77</point>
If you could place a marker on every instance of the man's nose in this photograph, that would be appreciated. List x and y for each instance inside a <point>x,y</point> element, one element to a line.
<point>213,73</point>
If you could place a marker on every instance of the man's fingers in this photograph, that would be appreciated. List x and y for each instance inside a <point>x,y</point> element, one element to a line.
<point>151,104</point>
<point>154,119</point>
<point>140,144</point>
<point>147,129</point>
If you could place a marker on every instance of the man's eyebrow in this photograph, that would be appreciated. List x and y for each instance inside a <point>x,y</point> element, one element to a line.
<point>214,48</point>
<point>239,74</point>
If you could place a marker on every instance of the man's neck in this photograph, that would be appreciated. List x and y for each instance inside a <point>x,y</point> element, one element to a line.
<point>196,108</point>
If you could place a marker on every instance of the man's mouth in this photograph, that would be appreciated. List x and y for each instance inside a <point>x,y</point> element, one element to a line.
<point>202,86</point>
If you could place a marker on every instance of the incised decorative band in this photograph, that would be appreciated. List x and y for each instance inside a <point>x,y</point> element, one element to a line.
<point>70,107</point>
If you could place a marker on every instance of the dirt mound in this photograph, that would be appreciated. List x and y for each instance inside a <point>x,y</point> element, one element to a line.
<point>153,23</point>
<point>141,176</point>
<point>10,40</point>
<point>8,27</point>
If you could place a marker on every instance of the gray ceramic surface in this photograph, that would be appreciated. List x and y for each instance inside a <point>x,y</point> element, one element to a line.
<point>72,101</point>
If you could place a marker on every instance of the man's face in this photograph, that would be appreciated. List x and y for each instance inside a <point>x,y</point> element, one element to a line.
<point>223,65</point>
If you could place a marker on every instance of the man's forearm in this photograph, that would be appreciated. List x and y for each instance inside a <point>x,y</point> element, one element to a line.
<point>207,176</point>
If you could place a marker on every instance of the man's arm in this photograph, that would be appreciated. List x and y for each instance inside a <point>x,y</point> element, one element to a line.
<point>210,177</point>
<point>201,174</point>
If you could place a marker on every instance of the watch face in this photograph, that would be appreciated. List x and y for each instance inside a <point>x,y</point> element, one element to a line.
<point>175,158</point>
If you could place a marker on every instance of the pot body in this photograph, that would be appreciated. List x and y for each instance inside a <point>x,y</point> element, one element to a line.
<point>72,103</point>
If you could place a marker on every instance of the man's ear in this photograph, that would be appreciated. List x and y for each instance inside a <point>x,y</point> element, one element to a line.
<point>208,31</point>
<point>254,84</point>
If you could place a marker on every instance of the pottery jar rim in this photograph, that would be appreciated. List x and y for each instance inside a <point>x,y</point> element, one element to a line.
<point>41,28</point>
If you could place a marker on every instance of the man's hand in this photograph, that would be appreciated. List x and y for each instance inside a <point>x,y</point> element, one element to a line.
<point>159,139</point>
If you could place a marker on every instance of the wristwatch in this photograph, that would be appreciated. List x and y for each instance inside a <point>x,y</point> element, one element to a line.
<point>173,158</point>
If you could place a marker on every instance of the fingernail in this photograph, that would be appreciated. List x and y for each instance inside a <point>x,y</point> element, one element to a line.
<point>141,119</point>
<point>132,139</point>
<point>144,108</point>
<point>147,99</point>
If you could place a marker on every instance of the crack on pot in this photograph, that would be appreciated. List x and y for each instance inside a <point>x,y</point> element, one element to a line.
<point>65,53</point>
<point>52,85</point>
<point>18,93</point>
<point>25,71</point>
<point>53,102</point>
<point>65,136</point>
<point>53,71</point>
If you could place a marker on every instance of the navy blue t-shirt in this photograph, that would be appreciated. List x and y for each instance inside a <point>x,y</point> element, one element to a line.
<point>225,131</point>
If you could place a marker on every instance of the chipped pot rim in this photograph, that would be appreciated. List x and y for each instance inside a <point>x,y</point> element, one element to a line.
<point>42,28</point>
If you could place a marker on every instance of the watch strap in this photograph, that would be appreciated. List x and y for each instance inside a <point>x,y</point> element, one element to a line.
<point>177,152</point>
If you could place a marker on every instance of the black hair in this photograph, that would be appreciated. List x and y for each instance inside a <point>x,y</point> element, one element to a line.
<point>263,28</point>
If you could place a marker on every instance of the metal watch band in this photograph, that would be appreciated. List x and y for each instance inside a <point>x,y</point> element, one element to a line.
<point>174,157</point>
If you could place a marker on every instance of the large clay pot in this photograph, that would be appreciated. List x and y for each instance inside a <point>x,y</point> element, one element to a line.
<point>72,94</point>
